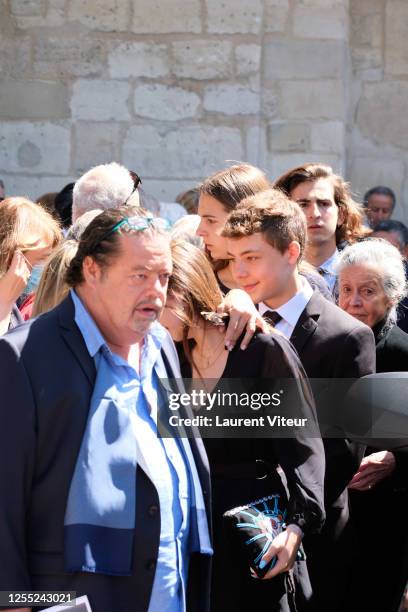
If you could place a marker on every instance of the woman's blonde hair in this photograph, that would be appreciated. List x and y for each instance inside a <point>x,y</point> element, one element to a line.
<point>53,288</point>
<point>25,226</point>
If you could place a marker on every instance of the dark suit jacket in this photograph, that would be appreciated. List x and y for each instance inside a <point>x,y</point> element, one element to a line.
<point>46,382</point>
<point>333,345</point>
<point>392,351</point>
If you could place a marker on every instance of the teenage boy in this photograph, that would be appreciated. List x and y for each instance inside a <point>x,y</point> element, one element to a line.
<point>266,241</point>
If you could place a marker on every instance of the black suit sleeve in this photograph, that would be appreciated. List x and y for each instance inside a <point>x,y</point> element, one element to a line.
<point>300,456</point>
<point>17,448</point>
<point>356,357</point>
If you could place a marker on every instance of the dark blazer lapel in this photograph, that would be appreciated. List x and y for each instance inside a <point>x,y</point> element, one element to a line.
<point>171,363</point>
<point>307,323</point>
<point>74,339</point>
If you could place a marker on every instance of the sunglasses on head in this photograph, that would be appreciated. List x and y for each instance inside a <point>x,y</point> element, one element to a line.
<point>136,182</point>
<point>135,224</point>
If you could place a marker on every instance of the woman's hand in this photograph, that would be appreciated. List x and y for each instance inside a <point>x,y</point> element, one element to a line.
<point>372,470</point>
<point>242,313</point>
<point>11,287</point>
<point>284,547</point>
<point>14,280</point>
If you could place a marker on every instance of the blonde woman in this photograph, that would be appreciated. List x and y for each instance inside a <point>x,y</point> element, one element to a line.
<point>28,234</point>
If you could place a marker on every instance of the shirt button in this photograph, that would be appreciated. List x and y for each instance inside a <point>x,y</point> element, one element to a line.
<point>153,510</point>
<point>150,565</point>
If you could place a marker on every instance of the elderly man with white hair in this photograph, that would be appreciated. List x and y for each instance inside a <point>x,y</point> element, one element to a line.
<point>111,186</point>
<point>105,186</point>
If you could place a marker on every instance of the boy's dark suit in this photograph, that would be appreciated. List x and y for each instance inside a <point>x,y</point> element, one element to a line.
<point>46,382</point>
<point>333,345</point>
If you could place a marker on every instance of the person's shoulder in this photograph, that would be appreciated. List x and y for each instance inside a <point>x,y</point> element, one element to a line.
<point>38,328</point>
<point>274,341</point>
<point>397,338</point>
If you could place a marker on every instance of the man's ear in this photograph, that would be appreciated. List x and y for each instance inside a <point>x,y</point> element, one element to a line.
<point>91,271</point>
<point>293,252</point>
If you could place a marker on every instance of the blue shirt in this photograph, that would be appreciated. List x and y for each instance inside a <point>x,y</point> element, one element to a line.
<point>167,467</point>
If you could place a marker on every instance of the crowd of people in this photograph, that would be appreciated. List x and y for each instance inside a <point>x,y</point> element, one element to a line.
<point>111,303</point>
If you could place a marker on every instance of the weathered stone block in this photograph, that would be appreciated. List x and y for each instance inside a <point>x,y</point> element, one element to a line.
<point>382,112</point>
<point>311,99</point>
<point>276,15</point>
<point>247,59</point>
<point>183,152</point>
<point>231,100</point>
<point>165,103</point>
<point>366,30</point>
<point>65,57</point>
<point>39,14</point>
<point>396,48</point>
<point>255,144</point>
<point>289,59</point>
<point>95,143</point>
<point>33,100</point>
<point>318,23</point>
<point>278,163</point>
<point>155,17</point>
<point>328,137</point>
<point>270,99</point>
<point>322,4</point>
<point>15,54</point>
<point>365,172</point>
<point>103,15</point>
<point>224,17</point>
<point>167,190</point>
<point>138,59</point>
<point>34,148</point>
<point>366,7</point>
<point>33,187</point>
<point>202,59</point>
<point>100,100</point>
<point>366,39</point>
<point>28,8</point>
<point>288,136</point>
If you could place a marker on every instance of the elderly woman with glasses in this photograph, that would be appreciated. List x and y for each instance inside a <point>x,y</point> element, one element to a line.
<point>371,283</point>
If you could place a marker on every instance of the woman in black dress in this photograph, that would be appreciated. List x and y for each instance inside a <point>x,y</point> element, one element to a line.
<point>371,283</point>
<point>244,470</point>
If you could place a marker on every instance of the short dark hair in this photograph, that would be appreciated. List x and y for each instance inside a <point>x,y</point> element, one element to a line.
<point>272,214</point>
<point>97,242</point>
<point>390,225</point>
<point>380,190</point>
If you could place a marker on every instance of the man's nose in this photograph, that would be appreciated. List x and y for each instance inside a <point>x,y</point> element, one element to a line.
<point>313,211</point>
<point>200,230</point>
<point>239,269</point>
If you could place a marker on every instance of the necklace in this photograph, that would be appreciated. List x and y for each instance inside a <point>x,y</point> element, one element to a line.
<point>207,362</point>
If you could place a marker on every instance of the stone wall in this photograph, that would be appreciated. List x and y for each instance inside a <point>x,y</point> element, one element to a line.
<point>173,88</point>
